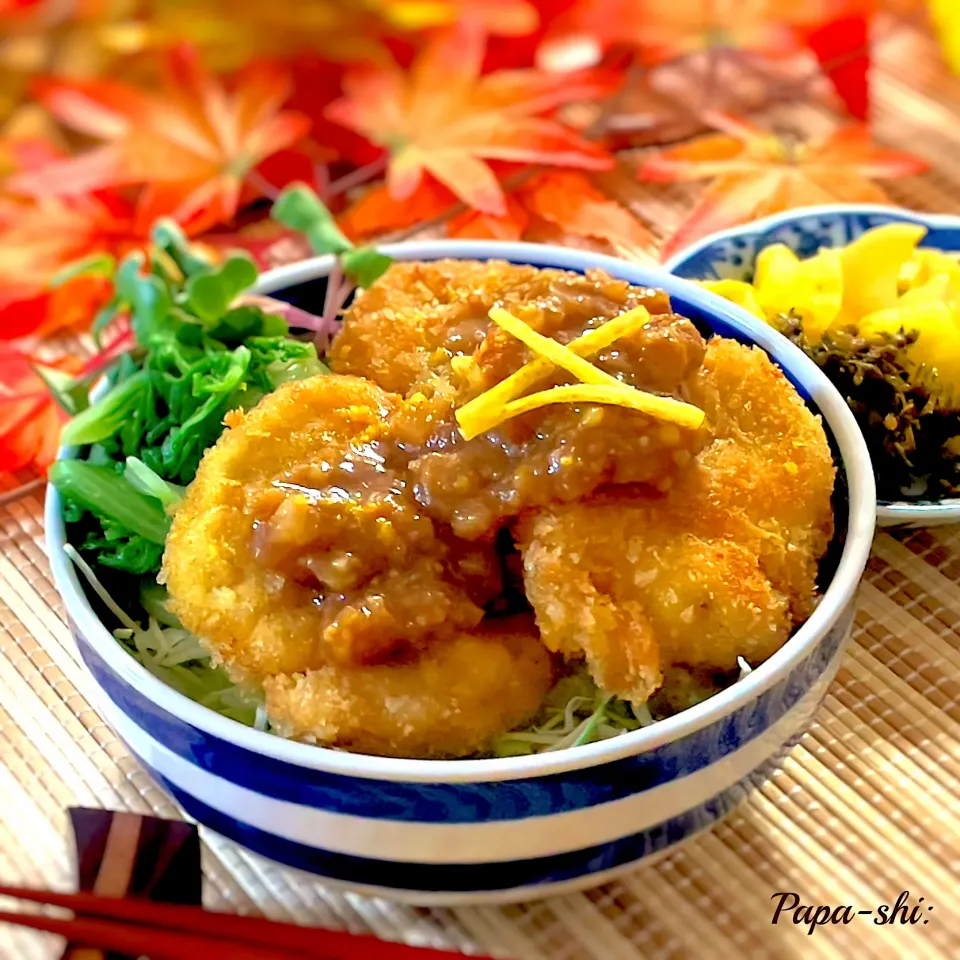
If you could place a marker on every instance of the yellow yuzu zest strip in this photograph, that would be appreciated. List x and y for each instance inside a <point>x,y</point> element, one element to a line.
<point>663,408</point>
<point>473,416</point>
<point>556,353</point>
<point>491,409</point>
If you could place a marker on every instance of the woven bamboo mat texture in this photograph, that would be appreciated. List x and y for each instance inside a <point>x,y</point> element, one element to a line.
<point>867,806</point>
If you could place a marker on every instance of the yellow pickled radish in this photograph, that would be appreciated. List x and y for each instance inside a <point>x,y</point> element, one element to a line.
<point>911,274</point>
<point>907,317</point>
<point>938,345</point>
<point>929,263</point>
<point>932,291</point>
<point>933,263</point>
<point>822,277</point>
<point>775,278</point>
<point>738,292</point>
<point>871,266</point>
<point>820,315</point>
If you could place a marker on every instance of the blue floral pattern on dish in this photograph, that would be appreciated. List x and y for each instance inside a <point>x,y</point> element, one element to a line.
<point>731,255</point>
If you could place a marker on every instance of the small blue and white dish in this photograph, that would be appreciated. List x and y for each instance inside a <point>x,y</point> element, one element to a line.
<point>731,255</point>
<point>496,830</point>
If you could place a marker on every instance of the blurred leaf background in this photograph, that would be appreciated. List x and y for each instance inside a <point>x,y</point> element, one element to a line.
<point>505,119</point>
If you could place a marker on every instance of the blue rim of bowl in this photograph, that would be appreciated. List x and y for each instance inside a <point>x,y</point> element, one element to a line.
<point>889,512</point>
<point>842,588</point>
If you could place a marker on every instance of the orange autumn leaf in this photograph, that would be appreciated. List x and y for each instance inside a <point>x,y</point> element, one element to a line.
<point>757,173</point>
<point>30,420</point>
<point>566,199</point>
<point>377,213</point>
<point>569,200</point>
<point>473,225</point>
<point>39,237</point>
<point>443,118</point>
<point>194,146</point>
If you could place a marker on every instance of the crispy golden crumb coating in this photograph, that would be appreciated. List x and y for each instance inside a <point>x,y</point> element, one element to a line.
<point>408,325</point>
<point>634,592</point>
<point>723,565</point>
<point>295,547</point>
<point>405,332</point>
<point>450,702</point>
<point>769,465</point>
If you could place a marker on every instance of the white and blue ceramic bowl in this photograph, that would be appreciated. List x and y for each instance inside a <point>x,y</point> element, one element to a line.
<point>500,829</point>
<point>731,255</point>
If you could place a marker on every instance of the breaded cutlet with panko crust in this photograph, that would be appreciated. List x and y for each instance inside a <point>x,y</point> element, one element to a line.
<point>723,565</point>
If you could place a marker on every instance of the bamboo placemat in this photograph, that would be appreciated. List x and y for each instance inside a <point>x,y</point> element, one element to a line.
<point>867,806</point>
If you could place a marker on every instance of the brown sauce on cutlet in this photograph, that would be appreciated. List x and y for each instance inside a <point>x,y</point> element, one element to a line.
<point>408,519</point>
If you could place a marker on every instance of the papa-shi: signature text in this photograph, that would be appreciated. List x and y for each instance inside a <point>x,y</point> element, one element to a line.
<point>789,906</point>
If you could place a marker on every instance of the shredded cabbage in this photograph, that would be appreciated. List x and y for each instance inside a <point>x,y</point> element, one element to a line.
<point>175,657</point>
<point>576,712</point>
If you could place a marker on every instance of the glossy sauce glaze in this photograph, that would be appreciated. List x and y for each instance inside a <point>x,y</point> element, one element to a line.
<point>396,534</point>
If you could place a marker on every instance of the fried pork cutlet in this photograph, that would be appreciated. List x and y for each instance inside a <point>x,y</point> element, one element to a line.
<point>406,331</point>
<point>301,558</point>
<point>406,328</point>
<point>297,545</point>
<point>723,565</point>
<point>449,702</point>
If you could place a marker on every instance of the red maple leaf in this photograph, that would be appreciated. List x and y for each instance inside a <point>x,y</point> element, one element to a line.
<point>443,118</point>
<point>377,213</point>
<point>30,420</point>
<point>196,147</point>
<point>841,44</point>
<point>520,51</point>
<point>566,201</point>
<point>316,84</point>
<point>271,244</point>
<point>757,173</point>
<point>40,236</point>
<point>571,202</point>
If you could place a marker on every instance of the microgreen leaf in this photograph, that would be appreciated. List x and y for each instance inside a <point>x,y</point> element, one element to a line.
<point>299,208</point>
<point>209,295</point>
<point>245,321</point>
<point>150,306</point>
<point>168,237</point>
<point>128,270</point>
<point>146,481</point>
<point>103,490</point>
<point>147,295</point>
<point>364,265</point>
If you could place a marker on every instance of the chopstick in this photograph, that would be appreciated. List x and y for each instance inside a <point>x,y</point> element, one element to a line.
<point>170,932</point>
